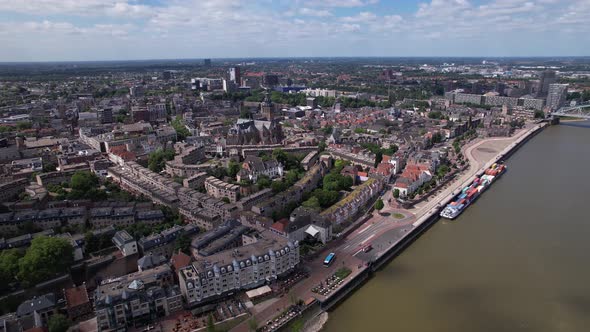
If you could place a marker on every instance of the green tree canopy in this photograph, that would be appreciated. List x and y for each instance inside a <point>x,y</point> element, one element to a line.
<point>336,181</point>
<point>245,114</point>
<point>379,204</point>
<point>278,186</point>
<point>326,197</point>
<point>8,266</point>
<point>312,203</point>
<point>91,242</point>
<point>157,159</point>
<point>85,185</point>
<point>263,182</point>
<point>181,132</point>
<point>84,181</point>
<point>233,168</point>
<point>58,323</point>
<point>45,258</point>
<point>183,243</point>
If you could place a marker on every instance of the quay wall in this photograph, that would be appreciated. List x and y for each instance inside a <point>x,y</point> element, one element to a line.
<point>420,226</point>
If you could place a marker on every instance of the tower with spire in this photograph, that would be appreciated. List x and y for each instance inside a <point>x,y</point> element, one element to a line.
<point>267,107</point>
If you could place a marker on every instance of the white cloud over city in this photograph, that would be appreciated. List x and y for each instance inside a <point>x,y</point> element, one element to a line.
<point>135,29</point>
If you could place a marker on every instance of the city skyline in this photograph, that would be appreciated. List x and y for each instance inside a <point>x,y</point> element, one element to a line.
<point>52,30</point>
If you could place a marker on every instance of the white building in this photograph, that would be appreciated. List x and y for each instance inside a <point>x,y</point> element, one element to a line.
<point>253,167</point>
<point>247,267</point>
<point>125,242</point>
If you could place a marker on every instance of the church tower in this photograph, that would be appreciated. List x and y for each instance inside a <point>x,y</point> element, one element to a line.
<point>267,107</point>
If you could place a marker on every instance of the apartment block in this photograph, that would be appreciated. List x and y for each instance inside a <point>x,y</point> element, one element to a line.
<point>252,265</point>
<point>220,189</point>
<point>136,299</point>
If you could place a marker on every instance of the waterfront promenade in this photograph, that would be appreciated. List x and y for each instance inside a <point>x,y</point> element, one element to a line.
<point>387,229</point>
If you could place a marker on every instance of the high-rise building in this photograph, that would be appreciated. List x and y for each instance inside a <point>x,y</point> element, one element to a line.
<point>167,75</point>
<point>556,96</point>
<point>105,115</point>
<point>547,78</point>
<point>136,91</point>
<point>270,80</point>
<point>229,86</point>
<point>234,75</point>
<point>207,62</point>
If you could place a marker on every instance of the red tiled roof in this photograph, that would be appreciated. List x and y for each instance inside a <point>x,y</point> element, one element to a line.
<point>180,260</point>
<point>76,296</point>
<point>280,225</point>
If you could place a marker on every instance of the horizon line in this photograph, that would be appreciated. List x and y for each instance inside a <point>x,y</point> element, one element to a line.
<point>305,57</point>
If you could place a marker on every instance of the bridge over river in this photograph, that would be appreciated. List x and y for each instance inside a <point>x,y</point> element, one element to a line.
<point>579,111</point>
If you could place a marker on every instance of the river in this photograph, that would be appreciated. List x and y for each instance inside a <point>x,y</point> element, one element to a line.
<point>516,260</point>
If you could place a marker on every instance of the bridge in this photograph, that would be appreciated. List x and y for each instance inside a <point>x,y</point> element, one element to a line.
<point>579,111</point>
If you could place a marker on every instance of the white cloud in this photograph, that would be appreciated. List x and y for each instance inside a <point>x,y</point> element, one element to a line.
<point>123,8</point>
<point>191,28</point>
<point>314,12</point>
<point>362,17</point>
<point>340,3</point>
<point>442,8</point>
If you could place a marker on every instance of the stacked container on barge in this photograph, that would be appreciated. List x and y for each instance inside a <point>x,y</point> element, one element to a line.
<point>471,192</point>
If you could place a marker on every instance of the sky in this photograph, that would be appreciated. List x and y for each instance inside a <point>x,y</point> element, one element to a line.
<point>75,30</point>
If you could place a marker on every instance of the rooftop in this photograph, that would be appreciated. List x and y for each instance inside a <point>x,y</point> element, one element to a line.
<point>76,296</point>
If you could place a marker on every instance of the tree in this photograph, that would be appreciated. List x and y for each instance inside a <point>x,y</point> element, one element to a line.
<point>8,266</point>
<point>378,157</point>
<point>263,182</point>
<point>49,167</point>
<point>442,171</point>
<point>326,197</point>
<point>280,156</point>
<point>322,146</point>
<point>183,243</point>
<point>360,130</point>
<point>379,204</point>
<point>252,324</point>
<point>23,125</point>
<point>85,186</point>
<point>58,323</point>
<point>435,115</point>
<point>91,242</point>
<point>45,258</point>
<point>157,159</point>
<point>181,132</point>
<point>312,203</point>
<point>245,114</point>
<point>396,193</point>
<point>279,186</point>
<point>225,199</point>
<point>233,168</point>
<point>336,182</point>
<point>84,181</point>
<point>291,177</point>
<point>210,323</point>
<point>539,115</point>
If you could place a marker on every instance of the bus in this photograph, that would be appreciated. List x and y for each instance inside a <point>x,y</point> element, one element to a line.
<point>329,259</point>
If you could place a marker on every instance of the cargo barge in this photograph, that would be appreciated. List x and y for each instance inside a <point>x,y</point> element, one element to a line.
<point>471,192</point>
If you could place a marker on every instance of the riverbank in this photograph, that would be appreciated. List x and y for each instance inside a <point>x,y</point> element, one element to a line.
<point>427,214</point>
<point>487,270</point>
